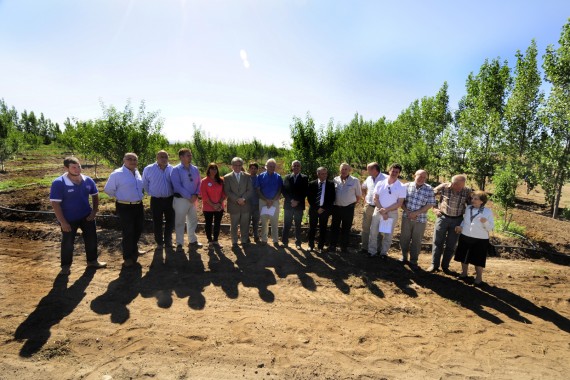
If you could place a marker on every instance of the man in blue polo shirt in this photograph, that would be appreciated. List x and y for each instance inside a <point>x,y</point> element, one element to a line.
<point>269,186</point>
<point>69,197</point>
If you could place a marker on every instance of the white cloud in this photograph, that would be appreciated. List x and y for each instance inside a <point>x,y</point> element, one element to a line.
<point>243,56</point>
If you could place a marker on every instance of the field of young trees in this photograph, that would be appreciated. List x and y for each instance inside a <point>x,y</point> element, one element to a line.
<point>512,124</point>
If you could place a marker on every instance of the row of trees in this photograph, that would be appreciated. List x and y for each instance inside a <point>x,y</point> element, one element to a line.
<point>23,130</point>
<point>503,123</point>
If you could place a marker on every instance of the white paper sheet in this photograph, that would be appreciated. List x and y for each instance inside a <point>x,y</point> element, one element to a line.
<point>385,225</point>
<point>267,210</point>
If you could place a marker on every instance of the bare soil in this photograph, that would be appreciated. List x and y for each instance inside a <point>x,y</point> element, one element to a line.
<point>264,312</point>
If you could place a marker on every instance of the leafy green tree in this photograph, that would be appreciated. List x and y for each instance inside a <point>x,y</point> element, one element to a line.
<point>555,142</point>
<point>505,181</point>
<point>119,132</point>
<point>480,118</point>
<point>523,126</point>
<point>313,147</point>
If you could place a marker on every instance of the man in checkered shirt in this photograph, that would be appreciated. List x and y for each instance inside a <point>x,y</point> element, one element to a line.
<point>419,199</point>
<point>454,197</point>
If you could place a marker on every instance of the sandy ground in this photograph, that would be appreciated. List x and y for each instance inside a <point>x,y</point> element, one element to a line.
<point>265,312</point>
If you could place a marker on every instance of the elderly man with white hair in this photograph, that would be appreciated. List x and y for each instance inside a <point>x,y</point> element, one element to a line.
<point>419,199</point>
<point>453,198</point>
<point>269,184</point>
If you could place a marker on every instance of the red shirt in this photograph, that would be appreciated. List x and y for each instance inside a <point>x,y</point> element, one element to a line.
<point>212,191</point>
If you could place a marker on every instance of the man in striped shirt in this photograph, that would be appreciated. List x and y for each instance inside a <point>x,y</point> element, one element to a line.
<point>453,197</point>
<point>157,184</point>
<point>419,199</point>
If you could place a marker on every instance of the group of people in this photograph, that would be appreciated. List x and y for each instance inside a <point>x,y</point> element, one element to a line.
<point>251,198</point>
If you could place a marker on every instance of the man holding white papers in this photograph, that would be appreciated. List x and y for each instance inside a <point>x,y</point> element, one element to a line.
<point>389,196</point>
<point>269,186</point>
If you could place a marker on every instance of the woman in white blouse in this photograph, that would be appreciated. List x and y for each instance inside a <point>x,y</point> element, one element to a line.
<point>474,238</point>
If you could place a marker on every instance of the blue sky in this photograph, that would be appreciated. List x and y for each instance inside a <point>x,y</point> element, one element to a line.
<point>242,69</point>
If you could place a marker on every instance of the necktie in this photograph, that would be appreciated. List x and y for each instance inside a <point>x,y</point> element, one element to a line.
<point>295,178</point>
<point>237,177</point>
<point>319,192</point>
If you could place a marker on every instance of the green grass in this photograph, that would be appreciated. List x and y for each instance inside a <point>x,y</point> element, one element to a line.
<point>513,226</point>
<point>431,216</point>
<point>21,182</point>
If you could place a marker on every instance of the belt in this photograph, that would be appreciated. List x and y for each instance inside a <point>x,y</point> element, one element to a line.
<point>129,203</point>
<point>162,197</point>
<point>451,217</point>
<point>369,205</point>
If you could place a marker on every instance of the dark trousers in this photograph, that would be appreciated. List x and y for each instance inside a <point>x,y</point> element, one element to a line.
<point>89,233</point>
<point>342,216</point>
<point>292,215</point>
<point>254,219</point>
<point>216,217</point>
<point>162,208</point>
<point>132,222</point>
<point>321,220</point>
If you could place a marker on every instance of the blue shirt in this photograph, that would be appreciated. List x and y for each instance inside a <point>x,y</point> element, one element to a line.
<point>418,197</point>
<point>156,182</point>
<point>186,182</point>
<point>74,199</point>
<point>269,185</point>
<point>124,185</point>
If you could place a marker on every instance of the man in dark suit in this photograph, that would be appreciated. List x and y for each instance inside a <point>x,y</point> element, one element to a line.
<point>321,196</point>
<point>295,191</point>
<point>237,186</point>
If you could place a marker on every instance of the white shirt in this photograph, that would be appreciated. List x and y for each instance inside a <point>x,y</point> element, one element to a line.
<point>369,185</point>
<point>474,228</point>
<point>388,194</point>
<point>237,176</point>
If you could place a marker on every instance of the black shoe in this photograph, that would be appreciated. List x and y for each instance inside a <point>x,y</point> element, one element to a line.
<point>372,256</point>
<point>446,270</point>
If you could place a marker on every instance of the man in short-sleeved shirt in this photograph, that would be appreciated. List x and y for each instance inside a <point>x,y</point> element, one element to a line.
<point>374,176</point>
<point>419,199</point>
<point>69,197</point>
<point>389,196</point>
<point>347,194</point>
<point>269,186</point>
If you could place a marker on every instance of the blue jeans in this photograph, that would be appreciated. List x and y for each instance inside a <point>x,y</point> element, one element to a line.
<point>444,234</point>
<point>292,215</point>
<point>89,233</point>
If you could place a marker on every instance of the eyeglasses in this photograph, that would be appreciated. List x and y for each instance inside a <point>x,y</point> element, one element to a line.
<point>475,199</point>
<point>190,176</point>
<point>131,159</point>
<point>389,190</point>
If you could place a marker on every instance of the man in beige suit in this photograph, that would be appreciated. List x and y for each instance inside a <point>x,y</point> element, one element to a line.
<point>237,186</point>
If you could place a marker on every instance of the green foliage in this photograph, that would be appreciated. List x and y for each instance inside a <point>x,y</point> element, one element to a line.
<point>119,132</point>
<point>555,139</point>
<point>510,226</point>
<point>505,181</point>
<point>480,118</point>
<point>313,147</point>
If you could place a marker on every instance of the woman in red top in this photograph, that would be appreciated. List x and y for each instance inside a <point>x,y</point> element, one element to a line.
<point>212,190</point>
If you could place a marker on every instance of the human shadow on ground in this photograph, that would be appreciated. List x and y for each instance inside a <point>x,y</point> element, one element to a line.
<point>52,309</point>
<point>120,293</point>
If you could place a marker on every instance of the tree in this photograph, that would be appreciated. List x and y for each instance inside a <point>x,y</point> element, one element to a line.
<point>313,147</point>
<point>505,181</point>
<point>480,118</point>
<point>117,133</point>
<point>556,118</point>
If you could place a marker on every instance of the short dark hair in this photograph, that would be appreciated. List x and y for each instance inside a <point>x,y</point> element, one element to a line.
<point>395,166</point>
<point>70,160</point>
<point>183,151</point>
<point>254,164</point>
<point>482,196</point>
